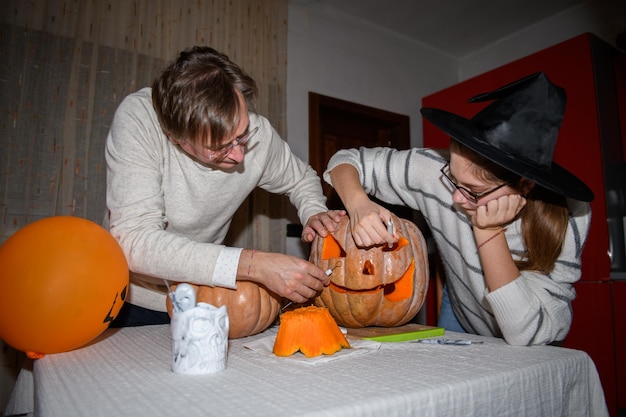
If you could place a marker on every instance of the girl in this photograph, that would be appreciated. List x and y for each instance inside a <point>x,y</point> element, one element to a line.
<point>509,223</point>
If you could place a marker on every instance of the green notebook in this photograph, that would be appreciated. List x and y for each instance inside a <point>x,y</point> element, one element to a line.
<point>411,331</point>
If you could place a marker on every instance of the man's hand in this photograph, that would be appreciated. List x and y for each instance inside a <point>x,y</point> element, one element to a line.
<point>287,276</point>
<point>322,224</point>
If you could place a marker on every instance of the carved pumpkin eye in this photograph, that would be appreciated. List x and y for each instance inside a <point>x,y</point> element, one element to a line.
<point>332,249</point>
<point>402,242</point>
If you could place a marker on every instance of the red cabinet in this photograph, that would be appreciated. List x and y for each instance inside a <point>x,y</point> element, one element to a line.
<point>585,67</point>
<point>619,313</point>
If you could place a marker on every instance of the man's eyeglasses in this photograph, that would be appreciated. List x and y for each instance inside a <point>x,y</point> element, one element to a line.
<point>223,152</point>
<point>470,195</point>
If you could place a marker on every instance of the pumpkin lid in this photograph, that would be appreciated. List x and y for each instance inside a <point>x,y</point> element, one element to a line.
<point>310,330</point>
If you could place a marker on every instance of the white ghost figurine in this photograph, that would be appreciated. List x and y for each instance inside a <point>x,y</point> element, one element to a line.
<point>199,334</point>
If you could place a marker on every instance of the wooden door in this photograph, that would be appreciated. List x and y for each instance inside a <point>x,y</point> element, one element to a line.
<point>336,124</point>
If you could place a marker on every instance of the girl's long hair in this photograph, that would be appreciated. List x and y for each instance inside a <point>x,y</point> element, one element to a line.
<point>544,218</point>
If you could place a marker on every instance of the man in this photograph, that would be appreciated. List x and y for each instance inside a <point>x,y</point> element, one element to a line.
<point>176,174</point>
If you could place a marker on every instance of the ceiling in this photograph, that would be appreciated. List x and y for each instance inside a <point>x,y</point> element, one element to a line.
<point>456,27</point>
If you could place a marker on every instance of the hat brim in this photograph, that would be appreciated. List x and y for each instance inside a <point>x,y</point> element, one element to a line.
<point>556,179</point>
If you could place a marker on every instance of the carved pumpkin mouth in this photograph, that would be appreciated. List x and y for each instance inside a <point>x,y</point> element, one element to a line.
<point>398,290</point>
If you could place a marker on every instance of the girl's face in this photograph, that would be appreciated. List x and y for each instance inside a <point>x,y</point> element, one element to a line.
<point>468,186</point>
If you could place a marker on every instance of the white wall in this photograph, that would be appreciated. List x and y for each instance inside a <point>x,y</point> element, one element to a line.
<point>334,54</point>
<point>604,18</point>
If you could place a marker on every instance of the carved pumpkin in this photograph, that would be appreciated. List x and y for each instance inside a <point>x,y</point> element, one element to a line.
<point>375,286</point>
<point>310,330</point>
<point>251,308</point>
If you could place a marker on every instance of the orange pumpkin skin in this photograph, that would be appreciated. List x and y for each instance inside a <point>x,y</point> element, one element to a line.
<point>310,330</point>
<point>251,308</point>
<point>376,286</point>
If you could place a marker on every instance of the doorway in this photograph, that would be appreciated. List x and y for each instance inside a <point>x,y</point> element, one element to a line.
<point>336,124</point>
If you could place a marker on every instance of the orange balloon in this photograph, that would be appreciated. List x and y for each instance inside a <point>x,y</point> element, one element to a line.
<point>62,280</point>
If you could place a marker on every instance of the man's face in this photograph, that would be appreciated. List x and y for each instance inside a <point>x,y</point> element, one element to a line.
<point>231,152</point>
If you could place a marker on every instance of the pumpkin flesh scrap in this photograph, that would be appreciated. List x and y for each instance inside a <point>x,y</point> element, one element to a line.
<point>310,330</point>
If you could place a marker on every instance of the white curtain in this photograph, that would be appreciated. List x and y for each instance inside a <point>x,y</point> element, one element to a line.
<point>66,65</point>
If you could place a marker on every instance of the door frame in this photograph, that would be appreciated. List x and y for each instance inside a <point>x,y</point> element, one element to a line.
<point>321,105</point>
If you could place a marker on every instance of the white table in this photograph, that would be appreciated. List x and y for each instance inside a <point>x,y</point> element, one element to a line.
<point>126,372</point>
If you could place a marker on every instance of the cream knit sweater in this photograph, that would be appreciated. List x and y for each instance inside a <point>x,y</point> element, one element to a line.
<point>170,214</point>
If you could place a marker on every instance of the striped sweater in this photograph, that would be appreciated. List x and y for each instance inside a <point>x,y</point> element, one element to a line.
<point>533,309</point>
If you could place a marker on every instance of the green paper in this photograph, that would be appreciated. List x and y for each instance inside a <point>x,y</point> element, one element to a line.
<point>403,337</point>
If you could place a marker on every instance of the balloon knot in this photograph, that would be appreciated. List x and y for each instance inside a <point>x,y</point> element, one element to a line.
<point>35,355</point>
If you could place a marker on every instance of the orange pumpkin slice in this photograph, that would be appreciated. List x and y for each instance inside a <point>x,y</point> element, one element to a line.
<point>310,330</point>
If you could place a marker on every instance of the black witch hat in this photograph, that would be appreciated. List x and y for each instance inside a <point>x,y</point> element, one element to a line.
<point>518,131</point>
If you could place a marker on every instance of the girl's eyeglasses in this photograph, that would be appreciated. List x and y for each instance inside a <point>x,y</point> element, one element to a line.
<point>470,195</point>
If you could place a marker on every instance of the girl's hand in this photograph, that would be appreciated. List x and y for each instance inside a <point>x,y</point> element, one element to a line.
<point>368,221</point>
<point>499,212</point>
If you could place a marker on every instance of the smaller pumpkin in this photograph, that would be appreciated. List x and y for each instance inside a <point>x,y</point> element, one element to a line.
<point>310,330</point>
<point>251,307</point>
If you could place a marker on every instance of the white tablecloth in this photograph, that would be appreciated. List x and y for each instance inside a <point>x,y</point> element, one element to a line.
<point>126,372</point>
